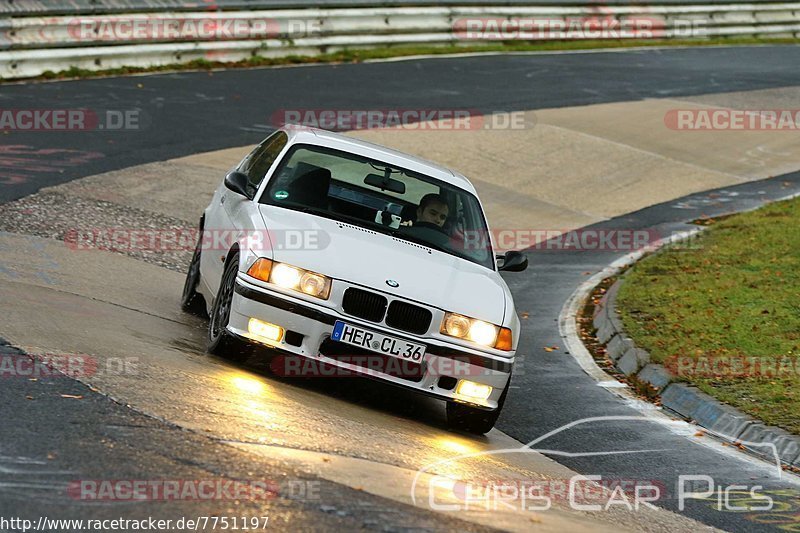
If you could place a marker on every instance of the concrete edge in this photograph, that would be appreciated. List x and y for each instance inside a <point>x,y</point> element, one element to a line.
<point>720,419</point>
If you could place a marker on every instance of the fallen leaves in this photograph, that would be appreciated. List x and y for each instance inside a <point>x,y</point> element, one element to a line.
<point>551,348</point>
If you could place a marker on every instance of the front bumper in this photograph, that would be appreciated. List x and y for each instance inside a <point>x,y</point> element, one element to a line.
<point>311,326</point>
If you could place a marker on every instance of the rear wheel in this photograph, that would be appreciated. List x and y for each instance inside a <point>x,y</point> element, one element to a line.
<point>472,419</point>
<point>191,300</point>
<point>220,342</point>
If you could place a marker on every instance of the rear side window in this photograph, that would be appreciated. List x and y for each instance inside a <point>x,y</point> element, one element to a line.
<point>259,161</point>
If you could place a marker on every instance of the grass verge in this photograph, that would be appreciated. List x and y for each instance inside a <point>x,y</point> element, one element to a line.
<point>359,55</point>
<point>725,314</point>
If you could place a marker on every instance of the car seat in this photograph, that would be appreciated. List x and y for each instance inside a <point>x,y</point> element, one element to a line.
<point>310,186</point>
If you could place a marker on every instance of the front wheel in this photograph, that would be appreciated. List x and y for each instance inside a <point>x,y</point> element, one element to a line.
<point>472,419</point>
<point>220,342</point>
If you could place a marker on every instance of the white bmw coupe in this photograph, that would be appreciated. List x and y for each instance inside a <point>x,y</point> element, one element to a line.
<point>347,258</point>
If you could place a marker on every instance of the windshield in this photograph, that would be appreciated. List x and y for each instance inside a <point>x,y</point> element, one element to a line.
<point>381,197</point>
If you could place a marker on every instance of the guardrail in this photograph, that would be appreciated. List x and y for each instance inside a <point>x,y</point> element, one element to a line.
<point>106,7</point>
<point>32,45</point>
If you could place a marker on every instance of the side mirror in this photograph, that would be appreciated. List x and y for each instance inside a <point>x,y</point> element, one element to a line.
<point>237,182</point>
<point>514,261</point>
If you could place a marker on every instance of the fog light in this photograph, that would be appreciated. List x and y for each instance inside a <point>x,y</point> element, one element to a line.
<point>473,391</point>
<point>264,329</point>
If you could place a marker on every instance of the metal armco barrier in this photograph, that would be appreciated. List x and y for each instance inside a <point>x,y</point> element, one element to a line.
<point>32,45</point>
<point>82,7</point>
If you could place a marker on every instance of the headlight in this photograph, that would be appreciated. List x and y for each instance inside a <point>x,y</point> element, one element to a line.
<point>456,325</point>
<point>285,276</point>
<point>291,277</point>
<point>477,331</point>
<point>314,284</point>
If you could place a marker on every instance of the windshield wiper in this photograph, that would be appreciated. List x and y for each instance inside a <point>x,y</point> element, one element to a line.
<point>406,237</point>
<point>447,250</point>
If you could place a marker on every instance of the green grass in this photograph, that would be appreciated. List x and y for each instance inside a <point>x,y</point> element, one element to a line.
<point>736,294</point>
<point>358,55</point>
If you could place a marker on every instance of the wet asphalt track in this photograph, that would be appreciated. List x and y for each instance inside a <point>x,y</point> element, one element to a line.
<point>186,113</point>
<point>191,112</point>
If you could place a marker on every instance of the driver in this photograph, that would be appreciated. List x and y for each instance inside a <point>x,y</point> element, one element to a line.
<point>433,209</point>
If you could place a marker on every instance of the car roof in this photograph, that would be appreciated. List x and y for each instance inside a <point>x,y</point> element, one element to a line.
<point>337,141</point>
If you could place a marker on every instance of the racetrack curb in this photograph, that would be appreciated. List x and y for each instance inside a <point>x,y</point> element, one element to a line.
<point>717,418</point>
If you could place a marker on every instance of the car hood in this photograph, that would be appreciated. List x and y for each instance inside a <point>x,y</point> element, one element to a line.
<point>364,257</point>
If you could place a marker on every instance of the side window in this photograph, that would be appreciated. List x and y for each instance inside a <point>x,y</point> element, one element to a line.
<point>258,162</point>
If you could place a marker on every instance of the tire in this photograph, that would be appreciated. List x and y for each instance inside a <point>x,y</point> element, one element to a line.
<point>474,420</point>
<point>191,300</point>
<point>220,342</point>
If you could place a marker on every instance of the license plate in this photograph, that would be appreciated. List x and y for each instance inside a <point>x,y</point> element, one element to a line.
<point>377,342</point>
